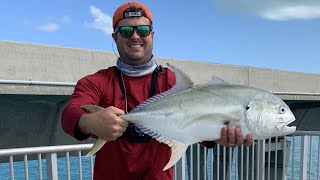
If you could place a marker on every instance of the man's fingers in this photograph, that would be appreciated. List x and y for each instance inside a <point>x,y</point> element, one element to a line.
<point>223,139</point>
<point>116,132</point>
<point>122,123</point>
<point>248,141</point>
<point>224,132</point>
<point>117,111</point>
<point>239,136</point>
<point>121,129</point>
<point>119,134</point>
<point>231,136</point>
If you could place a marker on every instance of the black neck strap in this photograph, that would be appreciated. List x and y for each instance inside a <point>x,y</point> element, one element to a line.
<point>153,85</point>
<point>121,85</point>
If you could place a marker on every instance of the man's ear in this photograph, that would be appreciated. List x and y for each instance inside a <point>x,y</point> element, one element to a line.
<point>114,36</point>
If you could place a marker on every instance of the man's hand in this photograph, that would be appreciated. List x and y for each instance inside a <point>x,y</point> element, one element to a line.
<point>232,136</point>
<point>105,123</point>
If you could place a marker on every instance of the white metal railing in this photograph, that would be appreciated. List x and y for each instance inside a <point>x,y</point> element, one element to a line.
<point>51,160</point>
<point>39,83</point>
<point>291,157</point>
<point>72,84</point>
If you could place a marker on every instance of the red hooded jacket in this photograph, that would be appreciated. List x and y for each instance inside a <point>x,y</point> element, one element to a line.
<point>120,159</point>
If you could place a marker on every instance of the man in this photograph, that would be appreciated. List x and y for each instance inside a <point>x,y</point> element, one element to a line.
<point>128,154</point>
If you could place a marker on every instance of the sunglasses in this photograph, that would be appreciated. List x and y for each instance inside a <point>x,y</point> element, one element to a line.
<point>127,31</point>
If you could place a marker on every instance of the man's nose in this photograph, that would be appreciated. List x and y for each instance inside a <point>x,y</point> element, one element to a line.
<point>135,34</point>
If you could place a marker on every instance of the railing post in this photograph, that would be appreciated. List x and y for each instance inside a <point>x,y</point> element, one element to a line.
<point>180,168</point>
<point>11,168</point>
<point>52,166</point>
<point>304,157</point>
<point>261,161</point>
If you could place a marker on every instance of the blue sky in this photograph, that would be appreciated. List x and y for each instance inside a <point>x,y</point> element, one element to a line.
<point>279,34</point>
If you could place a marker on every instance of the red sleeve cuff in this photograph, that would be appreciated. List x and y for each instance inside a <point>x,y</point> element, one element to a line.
<point>79,135</point>
<point>69,122</point>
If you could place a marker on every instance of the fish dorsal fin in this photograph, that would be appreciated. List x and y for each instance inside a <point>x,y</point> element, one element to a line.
<point>177,148</point>
<point>217,80</point>
<point>183,82</point>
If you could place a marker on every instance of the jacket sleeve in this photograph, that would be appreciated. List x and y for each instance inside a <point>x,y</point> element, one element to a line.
<point>87,91</point>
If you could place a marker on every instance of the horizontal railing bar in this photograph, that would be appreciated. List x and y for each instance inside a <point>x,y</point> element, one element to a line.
<point>44,149</point>
<point>49,83</point>
<point>43,83</point>
<point>306,133</point>
<point>297,93</point>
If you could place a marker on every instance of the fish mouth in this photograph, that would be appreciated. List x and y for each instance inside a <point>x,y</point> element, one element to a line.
<point>285,128</point>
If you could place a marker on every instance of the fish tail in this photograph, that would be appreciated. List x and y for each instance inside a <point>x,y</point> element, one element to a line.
<point>96,147</point>
<point>99,142</point>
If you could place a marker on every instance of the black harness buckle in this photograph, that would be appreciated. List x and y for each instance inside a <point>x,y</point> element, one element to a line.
<point>134,134</point>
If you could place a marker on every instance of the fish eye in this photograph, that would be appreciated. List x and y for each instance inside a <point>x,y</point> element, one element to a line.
<point>248,107</point>
<point>282,110</point>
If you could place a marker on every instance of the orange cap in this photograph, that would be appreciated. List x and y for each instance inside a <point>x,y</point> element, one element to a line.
<point>120,14</point>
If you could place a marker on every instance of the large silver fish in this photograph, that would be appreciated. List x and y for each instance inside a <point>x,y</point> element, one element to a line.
<point>189,113</point>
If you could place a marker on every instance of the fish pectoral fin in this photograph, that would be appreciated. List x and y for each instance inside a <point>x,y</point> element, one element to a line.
<point>224,118</point>
<point>219,119</point>
<point>91,108</point>
<point>96,147</point>
<point>177,150</point>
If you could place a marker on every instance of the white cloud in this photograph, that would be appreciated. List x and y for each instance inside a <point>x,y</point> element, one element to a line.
<point>101,20</point>
<point>273,9</point>
<point>49,27</point>
<point>293,12</point>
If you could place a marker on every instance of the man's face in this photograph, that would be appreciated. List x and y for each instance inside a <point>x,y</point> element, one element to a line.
<point>134,50</point>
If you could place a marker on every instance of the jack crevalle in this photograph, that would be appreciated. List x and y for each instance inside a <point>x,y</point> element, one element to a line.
<point>188,113</point>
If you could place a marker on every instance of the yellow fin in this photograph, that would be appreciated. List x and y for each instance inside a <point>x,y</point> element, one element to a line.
<point>177,151</point>
<point>99,142</point>
<point>96,147</point>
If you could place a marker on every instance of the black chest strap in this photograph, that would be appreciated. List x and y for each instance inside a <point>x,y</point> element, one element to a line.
<point>132,133</point>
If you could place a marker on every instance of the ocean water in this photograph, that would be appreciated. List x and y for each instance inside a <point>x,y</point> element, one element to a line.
<point>33,173</point>
<point>312,158</point>
<point>293,168</point>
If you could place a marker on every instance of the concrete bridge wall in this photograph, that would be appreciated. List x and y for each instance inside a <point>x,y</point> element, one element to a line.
<point>30,114</point>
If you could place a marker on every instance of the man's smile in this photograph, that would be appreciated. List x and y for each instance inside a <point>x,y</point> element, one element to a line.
<point>135,45</point>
